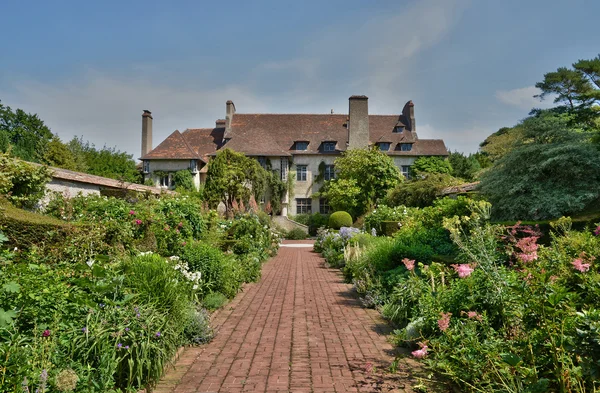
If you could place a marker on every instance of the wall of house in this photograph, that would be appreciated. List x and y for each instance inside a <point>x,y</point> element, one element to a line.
<point>68,189</point>
<point>170,166</point>
<point>305,189</point>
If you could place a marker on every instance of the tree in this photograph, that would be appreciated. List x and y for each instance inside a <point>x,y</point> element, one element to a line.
<point>431,164</point>
<point>420,192</point>
<point>570,86</point>
<point>369,171</point>
<point>57,154</point>
<point>107,162</point>
<point>24,133</point>
<point>501,142</point>
<point>552,171</point>
<point>464,167</point>
<point>184,181</point>
<point>233,177</point>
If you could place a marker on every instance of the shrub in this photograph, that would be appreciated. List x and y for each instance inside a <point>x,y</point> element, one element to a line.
<point>316,221</point>
<point>23,182</point>
<point>296,234</point>
<point>420,192</point>
<point>340,219</point>
<point>214,300</point>
<point>219,272</point>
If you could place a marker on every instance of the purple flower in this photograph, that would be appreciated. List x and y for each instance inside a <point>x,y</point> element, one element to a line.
<point>126,329</point>
<point>157,334</point>
<point>126,346</point>
<point>137,315</point>
<point>102,305</point>
<point>84,329</point>
<point>119,345</point>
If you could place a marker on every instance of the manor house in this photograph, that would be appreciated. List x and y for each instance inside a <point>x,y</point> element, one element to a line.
<point>305,144</point>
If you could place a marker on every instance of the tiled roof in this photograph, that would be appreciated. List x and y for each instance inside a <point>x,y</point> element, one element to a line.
<point>460,189</point>
<point>204,141</point>
<point>276,134</point>
<point>173,148</point>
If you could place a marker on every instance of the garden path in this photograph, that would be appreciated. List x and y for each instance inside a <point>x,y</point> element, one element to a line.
<point>299,329</point>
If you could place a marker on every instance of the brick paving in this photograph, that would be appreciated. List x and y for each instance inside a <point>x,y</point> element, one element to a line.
<point>300,329</point>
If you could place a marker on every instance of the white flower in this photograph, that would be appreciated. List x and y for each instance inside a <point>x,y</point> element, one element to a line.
<point>174,258</point>
<point>195,287</point>
<point>16,249</point>
<point>90,262</point>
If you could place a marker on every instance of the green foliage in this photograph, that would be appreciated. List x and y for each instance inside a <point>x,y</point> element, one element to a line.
<point>219,271</point>
<point>571,86</point>
<point>431,164</point>
<point>464,167</point>
<point>553,171</point>
<point>184,180</point>
<point>277,188</point>
<point>363,177</point>
<point>214,300</point>
<point>501,142</point>
<point>24,134</point>
<point>106,162</point>
<point>229,176</point>
<point>339,219</point>
<point>316,221</point>
<point>23,183</point>
<point>421,191</point>
<point>296,234</point>
<point>59,155</point>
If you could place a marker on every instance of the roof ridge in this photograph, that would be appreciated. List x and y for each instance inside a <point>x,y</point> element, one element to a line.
<point>308,114</point>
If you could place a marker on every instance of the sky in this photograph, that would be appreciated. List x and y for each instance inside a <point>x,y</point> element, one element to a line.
<point>88,69</point>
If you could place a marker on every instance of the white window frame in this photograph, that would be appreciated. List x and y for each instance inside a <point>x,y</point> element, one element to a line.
<point>329,146</point>
<point>329,172</point>
<point>301,170</point>
<point>303,206</point>
<point>406,171</point>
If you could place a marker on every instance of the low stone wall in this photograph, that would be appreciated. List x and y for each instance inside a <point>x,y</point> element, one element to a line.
<point>287,224</point>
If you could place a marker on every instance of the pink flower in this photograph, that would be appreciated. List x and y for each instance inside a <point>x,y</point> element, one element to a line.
<point>420,353</point>
<point>473,315</point>
<point>528,247</point>
<point>597,231</point>
<point>463,270</point>
<point>579,265</point>
<point>167,228</point>
<point>409,263</point>
<point>46,333</point>
<point>138,222</point>
<point>444,321</point>
<point>180,224</point>
<point>132,212</point>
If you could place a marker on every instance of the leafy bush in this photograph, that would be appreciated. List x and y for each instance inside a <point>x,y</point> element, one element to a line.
<point>296,234</point>
<point>214,300</point>
<point>420,192</point>
<point>219,271</point>
<point>340,219</point>
<point>316,221</point>
<point>23,183</point>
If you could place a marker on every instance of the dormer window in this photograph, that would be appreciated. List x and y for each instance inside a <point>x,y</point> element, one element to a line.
<point>406,146</point>
<point>301,145</point>
<point>398,129</point>
<point>225,140</point>
<point>384,146</point>
<point>328,146</point>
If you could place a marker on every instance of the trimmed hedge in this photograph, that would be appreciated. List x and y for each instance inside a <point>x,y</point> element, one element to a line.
<point>340,219</point>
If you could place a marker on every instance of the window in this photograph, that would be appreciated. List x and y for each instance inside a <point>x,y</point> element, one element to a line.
<point>406,146</point>
<point>406,171</point>
<point>384,146</point>
<point>166,180</point>
<point>301,172</point>
<point>303,206</point>
<point>194,166</point>
<point>146,165</point>
<point>328,146</point>
<point>284,168</point>
<point>301,145</point>
<point>398,129</point>
<point>263,162</point>
<point>329,173</point>
<point>324,207</point>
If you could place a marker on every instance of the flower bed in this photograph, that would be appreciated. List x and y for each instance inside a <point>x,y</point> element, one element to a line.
<point>106,309</point>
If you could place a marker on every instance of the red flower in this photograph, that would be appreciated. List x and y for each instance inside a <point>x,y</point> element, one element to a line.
<point>46,333</point>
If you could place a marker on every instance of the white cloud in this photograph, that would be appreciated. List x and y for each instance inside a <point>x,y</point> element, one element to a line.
<point>523,98</point>
<point>107,110</point>
<point>465,140</point>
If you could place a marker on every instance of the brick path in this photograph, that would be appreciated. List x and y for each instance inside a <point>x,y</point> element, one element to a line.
<point>300,329</point>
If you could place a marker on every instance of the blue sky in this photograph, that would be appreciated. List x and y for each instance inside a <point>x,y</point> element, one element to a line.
<point>89,68</point>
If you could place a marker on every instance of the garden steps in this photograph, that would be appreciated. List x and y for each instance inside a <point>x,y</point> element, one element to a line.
<point>299,329</point>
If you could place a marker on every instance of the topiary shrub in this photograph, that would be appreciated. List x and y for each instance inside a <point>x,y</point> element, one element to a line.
<point>340,219</point>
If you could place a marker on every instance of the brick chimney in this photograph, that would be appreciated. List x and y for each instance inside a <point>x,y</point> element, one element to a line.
<point>229,112</point>
<point>409,114</point>
<point>358,123</point>
<point>146,132</point>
